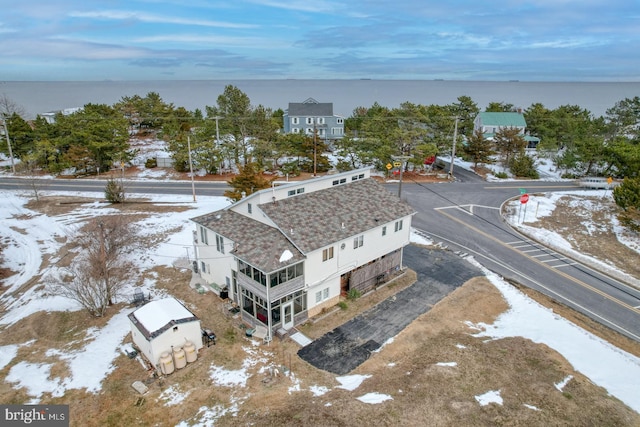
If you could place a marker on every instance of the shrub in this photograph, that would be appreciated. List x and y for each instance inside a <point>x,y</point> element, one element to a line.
<point>343,305</point>
<point>523,166</point>
<point>501,175</point>
<point>114,191</point>
<point>354,294</point>
<point>151,163</point>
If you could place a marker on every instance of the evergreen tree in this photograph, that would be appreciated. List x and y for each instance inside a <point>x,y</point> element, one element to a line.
<point>627,197</point>
<point>478,148</point>
<point>509,142</point>
<point>247,182</point>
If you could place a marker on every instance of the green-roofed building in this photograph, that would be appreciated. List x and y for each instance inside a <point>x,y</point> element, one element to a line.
<point>491,122</point>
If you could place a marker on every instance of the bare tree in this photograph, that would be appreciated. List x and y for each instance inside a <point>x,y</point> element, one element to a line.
<point>8,107</point>
<point>101,268</point>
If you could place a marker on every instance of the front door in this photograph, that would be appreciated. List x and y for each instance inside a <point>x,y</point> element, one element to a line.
<point>287,315</point>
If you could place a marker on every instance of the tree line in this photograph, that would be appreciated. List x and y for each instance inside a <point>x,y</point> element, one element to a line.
<point>233,132</point>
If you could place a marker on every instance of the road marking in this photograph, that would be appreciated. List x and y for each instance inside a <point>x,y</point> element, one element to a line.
<point>551,291</point>
<point>564,264</point>
<point>565,275</point>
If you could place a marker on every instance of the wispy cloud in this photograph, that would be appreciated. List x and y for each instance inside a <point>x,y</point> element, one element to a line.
<point>123,15</point>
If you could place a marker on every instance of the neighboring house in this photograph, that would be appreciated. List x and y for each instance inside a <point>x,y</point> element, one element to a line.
<point>312,116</point>
<point>286,253</point>
<point>163,325</point>
<point>491,122</point>
<point>50,117</point>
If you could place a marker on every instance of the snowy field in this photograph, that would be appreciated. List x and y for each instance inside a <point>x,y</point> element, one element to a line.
<point>28,236</point>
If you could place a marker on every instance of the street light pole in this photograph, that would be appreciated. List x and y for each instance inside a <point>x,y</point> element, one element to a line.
<point>6,133</point>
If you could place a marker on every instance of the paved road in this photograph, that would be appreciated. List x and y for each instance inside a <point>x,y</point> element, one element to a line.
<point>465,216</point>
<point>346,347</point>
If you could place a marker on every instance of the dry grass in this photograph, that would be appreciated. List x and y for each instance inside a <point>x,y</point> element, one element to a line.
<point>407,369</point>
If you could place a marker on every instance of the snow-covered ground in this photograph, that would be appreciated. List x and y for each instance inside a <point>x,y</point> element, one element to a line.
<point>29,235</point>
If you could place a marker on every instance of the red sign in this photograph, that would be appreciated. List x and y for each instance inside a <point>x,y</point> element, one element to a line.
<point>524,198</point>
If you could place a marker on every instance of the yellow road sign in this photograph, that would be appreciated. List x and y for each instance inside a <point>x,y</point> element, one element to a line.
<point>389,166</point>
<point>397,164</point>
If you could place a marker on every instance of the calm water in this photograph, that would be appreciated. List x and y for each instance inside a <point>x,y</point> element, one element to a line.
<point>40,97</point>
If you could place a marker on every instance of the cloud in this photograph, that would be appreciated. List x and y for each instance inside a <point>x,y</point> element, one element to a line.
<point>123,15</point>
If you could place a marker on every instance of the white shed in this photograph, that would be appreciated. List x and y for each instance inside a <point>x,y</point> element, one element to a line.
<point>161,325</point>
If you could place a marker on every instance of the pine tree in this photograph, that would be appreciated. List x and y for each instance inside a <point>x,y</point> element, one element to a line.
<point>248,181</point>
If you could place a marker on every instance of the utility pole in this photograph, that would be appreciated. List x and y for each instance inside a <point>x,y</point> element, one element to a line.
<point>453,149</point>
<point>401,159</point>
<point>217,130</point>
<point>315,133</point>
<point>193,184</point>
<point>218,137</point>
<point>6,133</point>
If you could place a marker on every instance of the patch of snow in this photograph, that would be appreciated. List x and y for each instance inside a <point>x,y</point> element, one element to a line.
<point>373,398</point>
<point>460,346</point>
<point>173,396</point>
<point>351,382</point>
<point>603,363</point>
<point>317,390</point>
<point>7,353</point>
<point>492,396</point>
<point>531,407</point>
<point>452,364</point>
<point>228,378</point>
<point>562,384</point>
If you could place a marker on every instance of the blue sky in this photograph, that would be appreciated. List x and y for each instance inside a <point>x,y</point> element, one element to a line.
<point>541,40</point>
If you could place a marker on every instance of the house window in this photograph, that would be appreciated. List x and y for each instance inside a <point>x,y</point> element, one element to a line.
<point>358,242</point>
<point>398,225</point>
<point>249,207</point>
<point>384,230</point>
<point>320,120</point>
<point>340,121</point>
<point>309,120</point>
<point>295,130</point>
<point>295,120</point>
<point>175,329</point>
<point>309,130</point>
<point>220,243</point>
<point>327,254</point>
<point>337,131</point>
<point>322,295</point>
<point>203,267</point>
<point>203,236</point>
<point>295,191</point>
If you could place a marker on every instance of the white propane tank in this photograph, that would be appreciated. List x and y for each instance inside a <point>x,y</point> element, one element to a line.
<point>178,358</point>
<point>166,363</point>
<point>190,351</point>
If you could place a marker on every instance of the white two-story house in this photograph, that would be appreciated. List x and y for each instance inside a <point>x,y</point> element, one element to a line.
<point>312,116</point>
<point>284,254</point>
<point>491,122</point>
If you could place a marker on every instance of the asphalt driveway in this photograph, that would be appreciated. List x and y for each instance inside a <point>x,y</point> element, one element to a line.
<point>343,349</point>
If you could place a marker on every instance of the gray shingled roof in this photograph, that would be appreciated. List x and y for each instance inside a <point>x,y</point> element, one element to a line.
<point>311,221</point>
<point>258,244</point>
<point>319,218</point>
<point>321,109</point>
